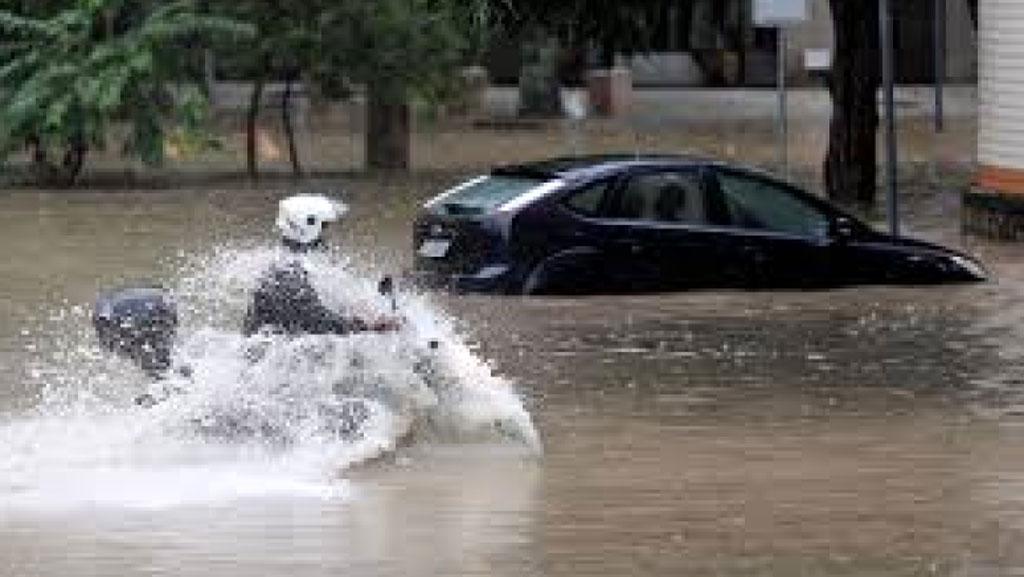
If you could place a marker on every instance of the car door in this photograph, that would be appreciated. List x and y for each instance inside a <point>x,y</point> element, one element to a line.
<point>570,245</point>
<point>772,235</point>
<point>658,229</point>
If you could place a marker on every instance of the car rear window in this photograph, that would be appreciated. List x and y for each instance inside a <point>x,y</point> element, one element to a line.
<point>484,195</point>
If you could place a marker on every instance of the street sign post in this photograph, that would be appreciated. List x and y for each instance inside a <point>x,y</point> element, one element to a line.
<point>888,88</point>
<point>940,63</point>
<point>779,14</point>
<point>783,105</point>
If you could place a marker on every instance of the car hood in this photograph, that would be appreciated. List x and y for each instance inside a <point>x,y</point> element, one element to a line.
<point>921,246</point>
<point>967,264</point>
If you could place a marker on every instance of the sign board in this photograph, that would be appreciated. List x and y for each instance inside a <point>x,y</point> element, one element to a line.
<point>817,59</point>
<point>772,13</point>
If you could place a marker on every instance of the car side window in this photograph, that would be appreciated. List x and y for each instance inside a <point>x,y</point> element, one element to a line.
<point>590,200</point>
<point>758,204</point>
<point>675,196</point>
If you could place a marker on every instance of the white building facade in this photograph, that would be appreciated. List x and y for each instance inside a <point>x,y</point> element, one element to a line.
<point>996,206</point>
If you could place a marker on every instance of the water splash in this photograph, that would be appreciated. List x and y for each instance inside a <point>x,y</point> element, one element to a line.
<point>250,417</point>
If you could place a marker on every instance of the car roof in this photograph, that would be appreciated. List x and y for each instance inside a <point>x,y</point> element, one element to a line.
<point>590,168</point>
<point>573,167</point>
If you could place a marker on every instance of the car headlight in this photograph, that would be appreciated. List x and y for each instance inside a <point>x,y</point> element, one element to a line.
<point>969,266</point>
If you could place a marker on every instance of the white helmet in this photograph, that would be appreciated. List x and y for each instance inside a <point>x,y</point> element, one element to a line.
<point>301,218</point>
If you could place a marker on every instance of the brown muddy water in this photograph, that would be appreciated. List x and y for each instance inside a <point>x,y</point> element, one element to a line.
<point>866,431</point>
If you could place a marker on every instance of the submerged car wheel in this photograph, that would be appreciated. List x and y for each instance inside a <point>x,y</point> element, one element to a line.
<point>571,272</point>
<point>536,282</point>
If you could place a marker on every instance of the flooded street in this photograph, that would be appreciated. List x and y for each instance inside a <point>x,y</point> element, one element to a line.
<point>865,431</point>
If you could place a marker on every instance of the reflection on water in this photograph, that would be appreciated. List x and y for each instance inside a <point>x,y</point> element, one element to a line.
<point>440,511</point>
<point>862,431</point>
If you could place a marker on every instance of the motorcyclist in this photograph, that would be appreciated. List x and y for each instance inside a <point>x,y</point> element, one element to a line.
<point>285,301</point>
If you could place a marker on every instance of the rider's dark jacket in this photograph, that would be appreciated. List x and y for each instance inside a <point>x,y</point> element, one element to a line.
<point>286,302</point>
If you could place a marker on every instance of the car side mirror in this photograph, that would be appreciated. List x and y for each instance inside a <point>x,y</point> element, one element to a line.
<point>843,228</point>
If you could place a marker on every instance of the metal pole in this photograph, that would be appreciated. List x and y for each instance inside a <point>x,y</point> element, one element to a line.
<point>885,24</point>
<point>673,28</point>
<point>940,64</point>
<point>783,108</point>
<point>209,70</point>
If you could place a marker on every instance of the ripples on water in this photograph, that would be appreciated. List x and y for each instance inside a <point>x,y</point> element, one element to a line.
<point>853,350</point>
<point>866,431</point>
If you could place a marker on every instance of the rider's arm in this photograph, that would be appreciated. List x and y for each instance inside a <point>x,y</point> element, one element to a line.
<point>287,302</point>
<point>344,325</point>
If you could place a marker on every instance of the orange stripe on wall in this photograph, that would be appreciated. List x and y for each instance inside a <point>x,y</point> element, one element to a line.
<point>996,179</point>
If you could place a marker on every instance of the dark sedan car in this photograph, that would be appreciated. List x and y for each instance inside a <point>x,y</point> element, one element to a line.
<point>641,224</point>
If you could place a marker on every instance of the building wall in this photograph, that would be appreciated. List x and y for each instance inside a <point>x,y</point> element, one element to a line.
<point>1001,96</point>
<point>994,207</point>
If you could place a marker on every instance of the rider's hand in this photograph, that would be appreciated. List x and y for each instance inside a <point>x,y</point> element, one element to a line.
<point>386,324</point>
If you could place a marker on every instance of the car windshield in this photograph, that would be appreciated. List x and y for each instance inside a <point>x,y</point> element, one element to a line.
<point>485,194</point>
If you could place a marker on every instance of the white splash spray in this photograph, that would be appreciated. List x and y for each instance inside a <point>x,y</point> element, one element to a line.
<point>252,417</point>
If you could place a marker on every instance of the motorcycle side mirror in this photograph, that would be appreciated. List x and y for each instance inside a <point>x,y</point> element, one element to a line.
<point>386,286</point>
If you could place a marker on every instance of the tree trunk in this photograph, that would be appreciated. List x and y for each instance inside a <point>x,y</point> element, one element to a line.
<point>740,44</point>
<point>387,131</point>
<point>251,154</point>
<point>850,170</point>
<point>289,131</point>
<point>47,173</point>
<point>539,87</point>
<point>606,54</point>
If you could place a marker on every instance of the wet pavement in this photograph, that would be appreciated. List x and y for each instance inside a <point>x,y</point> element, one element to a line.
<point>863,431</point>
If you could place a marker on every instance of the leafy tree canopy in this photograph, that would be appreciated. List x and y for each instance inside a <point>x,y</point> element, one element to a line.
<point>613,25</point>
<point>70,73</point>
<point>407,46</point>
<point>398,47</point>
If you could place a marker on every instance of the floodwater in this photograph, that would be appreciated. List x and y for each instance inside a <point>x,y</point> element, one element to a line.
<point>868,431</point>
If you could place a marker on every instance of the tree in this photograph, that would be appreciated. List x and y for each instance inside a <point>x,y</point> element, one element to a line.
<point>73,73</point>
<point>395,49</point>
<point>284,46</point>
<point>398,50</point>
<point>850,171</point>
<point>850,163</point>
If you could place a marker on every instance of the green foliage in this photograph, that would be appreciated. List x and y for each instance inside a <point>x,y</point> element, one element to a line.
<point>283,38</point>
<point>398,48</point>
<point>71,74</point>
<point>613,25</point>
<point>403,47</point>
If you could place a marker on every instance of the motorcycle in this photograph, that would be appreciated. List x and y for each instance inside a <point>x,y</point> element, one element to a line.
<point>140,324</point>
